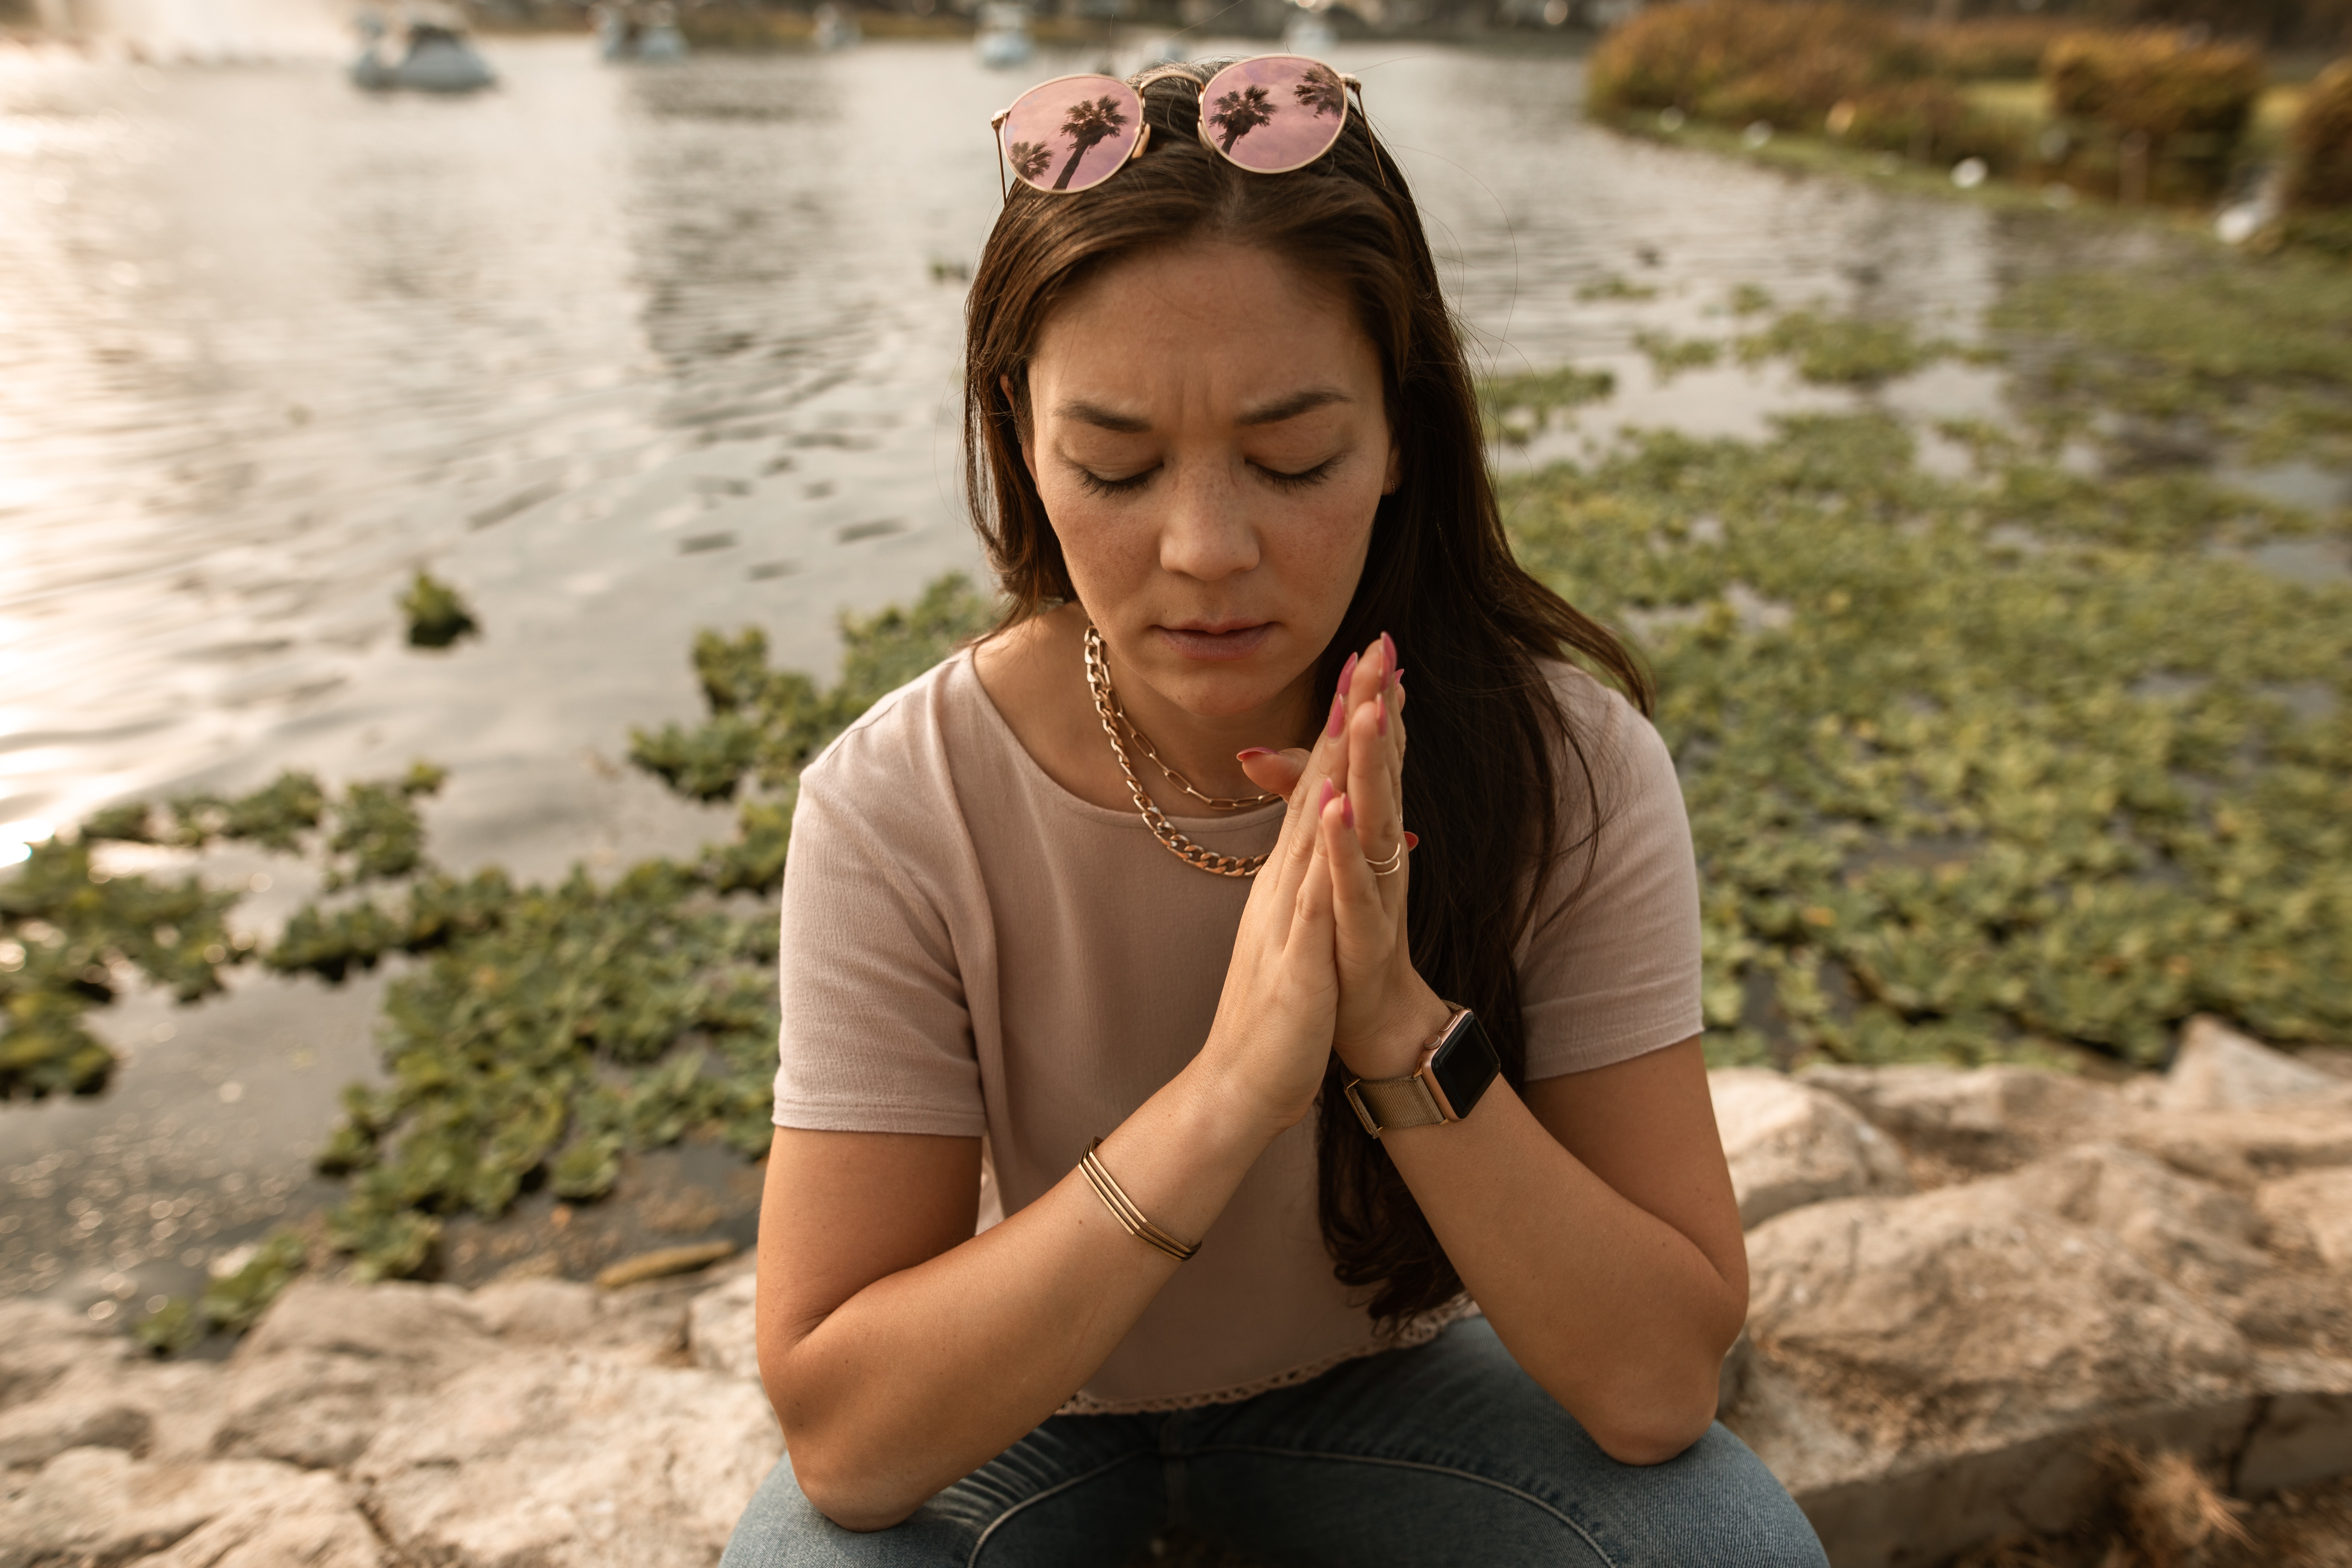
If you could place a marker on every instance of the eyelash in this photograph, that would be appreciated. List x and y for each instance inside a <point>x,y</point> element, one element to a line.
<point>1095,484</point>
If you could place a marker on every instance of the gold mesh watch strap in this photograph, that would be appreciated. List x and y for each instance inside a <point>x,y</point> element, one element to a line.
<point>1382,1104</point>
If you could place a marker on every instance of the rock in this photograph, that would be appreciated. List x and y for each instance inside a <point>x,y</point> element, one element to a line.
<point>1789,1144</point>
<point>101,1506</point>
<point>2199,1236</point>
<point>1955,1123</point>
<point>722,1327</point>
<point>2311,1212</point>
<point>2241,1149</point>
<point>568,1462</point>
<point>153,1410</point>
<point>1927,1372</point>
<point>312,1384</point>
<point>540,1310</point>
<point>41,1340</point>
<point>664,1261</point>
<point>2217,1068</point>
<point>309,1520</point>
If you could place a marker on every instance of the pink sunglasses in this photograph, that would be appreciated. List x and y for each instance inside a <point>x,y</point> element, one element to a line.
<point>1269,115</point>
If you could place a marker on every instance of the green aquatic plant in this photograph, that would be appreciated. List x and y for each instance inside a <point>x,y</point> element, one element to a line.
<point>1669,355</point>
<point>2009,764</point>
<point>1524,404</point>
<point>2204,353</point>
<point>1616,287</point>
<point>232,1302</point>
<point>544,1031</point>
<point>72,933</point>
<point>1843,351</point>
<point>436,616</point>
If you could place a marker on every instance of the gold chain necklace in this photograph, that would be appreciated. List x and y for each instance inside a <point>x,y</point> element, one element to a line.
<point>1114,718</point>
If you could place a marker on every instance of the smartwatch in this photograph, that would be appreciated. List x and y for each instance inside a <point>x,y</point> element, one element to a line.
<point>1457,1064</point>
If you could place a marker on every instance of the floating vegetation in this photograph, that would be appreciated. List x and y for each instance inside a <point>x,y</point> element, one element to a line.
<point>1669,355</point>
<point>2205,349</point>
<point>1616,287</point>
<point>1843,351</point>
<point>546,1030</point>
<point>73,934</point>
<point>436,616</point>
<point>2014,766</point>
<point>1514,407</point>
<point>235,1299</point>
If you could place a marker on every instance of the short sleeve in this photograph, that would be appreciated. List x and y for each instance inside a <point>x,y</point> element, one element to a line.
<point>1610,969</point>
<point>875,1036</point>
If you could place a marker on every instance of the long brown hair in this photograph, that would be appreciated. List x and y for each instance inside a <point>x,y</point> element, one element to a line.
<point>1481,785</point>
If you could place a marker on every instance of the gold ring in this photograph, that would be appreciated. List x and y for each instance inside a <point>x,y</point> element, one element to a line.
<point>1389,867</point>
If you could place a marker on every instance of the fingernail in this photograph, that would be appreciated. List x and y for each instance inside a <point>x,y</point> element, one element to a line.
<point>1388,653</point>
<point>1246,753</point>
<point>1411,839</point>
<point>1324,799</point>
<point>1347,811</point>
<point>1396,681</point>
<point>1338,717</point>
<point>1348,670</point>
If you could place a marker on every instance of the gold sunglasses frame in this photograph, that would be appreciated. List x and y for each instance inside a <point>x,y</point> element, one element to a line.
<point>1199,123</point>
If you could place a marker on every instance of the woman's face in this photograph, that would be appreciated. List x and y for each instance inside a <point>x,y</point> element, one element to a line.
<point>1207,431</point>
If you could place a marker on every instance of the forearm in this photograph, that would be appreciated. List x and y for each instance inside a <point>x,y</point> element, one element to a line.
<point>1621,1317</point>
<point>928,1372</point>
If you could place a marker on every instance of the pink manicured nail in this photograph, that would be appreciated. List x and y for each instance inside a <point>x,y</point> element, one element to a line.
<point>1347,811</point>
<point>1388,653</point>
<point>1411,839</point>
<point>1348,671</point>
<point>1245,753</point>
<point>1338,717</point>
<point>1396,681</point>
<point>1324,799</point>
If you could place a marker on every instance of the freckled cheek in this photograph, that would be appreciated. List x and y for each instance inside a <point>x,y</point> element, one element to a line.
<point>1101,546</point>
<point>1318,548</point>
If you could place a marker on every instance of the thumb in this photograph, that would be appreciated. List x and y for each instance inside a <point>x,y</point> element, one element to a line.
<point>1277,772</point>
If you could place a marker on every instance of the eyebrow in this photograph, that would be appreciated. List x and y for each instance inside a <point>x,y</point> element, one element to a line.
<point>1290,408</point>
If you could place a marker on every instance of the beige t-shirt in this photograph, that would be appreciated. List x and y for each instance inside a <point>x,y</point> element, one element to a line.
<point>969,949</point>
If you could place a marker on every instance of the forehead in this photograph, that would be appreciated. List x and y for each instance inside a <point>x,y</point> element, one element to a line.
<point>1232,323</point>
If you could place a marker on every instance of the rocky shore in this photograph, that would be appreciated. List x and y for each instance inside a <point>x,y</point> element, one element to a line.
<point>1974,1290</point>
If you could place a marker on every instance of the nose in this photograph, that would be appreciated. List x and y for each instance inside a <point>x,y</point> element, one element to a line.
<point>1207,533</point>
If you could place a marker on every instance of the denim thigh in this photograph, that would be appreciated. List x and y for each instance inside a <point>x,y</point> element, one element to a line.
<point>1080,1491</point>
<point>1450,1454</point>
<point>1446,1453</point>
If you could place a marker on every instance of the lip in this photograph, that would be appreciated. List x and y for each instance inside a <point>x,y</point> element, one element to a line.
<point>1216,641</point>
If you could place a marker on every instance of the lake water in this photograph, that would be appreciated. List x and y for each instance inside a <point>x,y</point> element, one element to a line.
<point>623,353</point>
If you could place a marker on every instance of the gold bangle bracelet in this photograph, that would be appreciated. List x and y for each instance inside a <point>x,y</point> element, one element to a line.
<point>1123,1209</point>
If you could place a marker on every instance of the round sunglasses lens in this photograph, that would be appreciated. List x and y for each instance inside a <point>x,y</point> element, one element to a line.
<point>1273,113</point>
<point>1071,135</point>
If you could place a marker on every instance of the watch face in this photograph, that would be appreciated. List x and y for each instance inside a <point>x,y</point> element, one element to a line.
<point>1465,1064</point>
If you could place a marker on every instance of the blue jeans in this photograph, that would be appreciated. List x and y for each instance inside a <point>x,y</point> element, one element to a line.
<point>1444,1453</point>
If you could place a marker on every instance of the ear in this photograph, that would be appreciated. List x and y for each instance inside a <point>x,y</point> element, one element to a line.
<point>1014,401</point>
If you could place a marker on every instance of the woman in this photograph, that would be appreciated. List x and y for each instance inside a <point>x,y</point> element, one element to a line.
<point>1135,868</point>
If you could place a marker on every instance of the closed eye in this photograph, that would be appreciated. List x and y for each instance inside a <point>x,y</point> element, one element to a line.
<point>1302,478</point>
<point>1095,484</point>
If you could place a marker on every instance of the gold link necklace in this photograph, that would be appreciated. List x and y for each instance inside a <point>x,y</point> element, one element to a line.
<point>1114,718</point>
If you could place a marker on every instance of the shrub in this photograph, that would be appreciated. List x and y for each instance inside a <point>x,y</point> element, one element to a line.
<point>1993,48</point>
<point>2321,140</point>
<point>2174,109</point>
<point>1732,59</point>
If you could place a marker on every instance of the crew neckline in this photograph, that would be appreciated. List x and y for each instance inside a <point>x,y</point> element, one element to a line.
<point>964,669</point>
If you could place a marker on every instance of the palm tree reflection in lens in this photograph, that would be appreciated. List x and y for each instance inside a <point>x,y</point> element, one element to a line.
<point>1239,113</point>
<point>1028,159</point>
<point>1086,123</point>
<point>1320,91</point>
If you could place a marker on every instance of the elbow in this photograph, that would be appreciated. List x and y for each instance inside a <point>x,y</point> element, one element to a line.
<point>849,1500</point>
<point>1652,1421</point>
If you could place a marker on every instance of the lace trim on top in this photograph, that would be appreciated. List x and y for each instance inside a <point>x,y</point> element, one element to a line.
<point>1417,1331</point>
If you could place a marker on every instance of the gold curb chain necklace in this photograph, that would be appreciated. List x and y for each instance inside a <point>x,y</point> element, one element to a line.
<point>1114,718</point>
